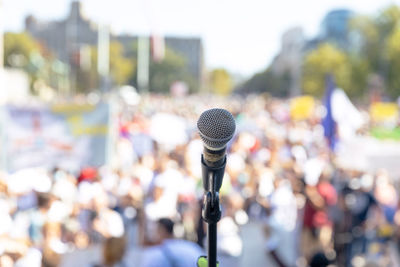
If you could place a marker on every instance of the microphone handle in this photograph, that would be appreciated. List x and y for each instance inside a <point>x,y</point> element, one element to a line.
<point>214,158</point>
<point>213,176</point>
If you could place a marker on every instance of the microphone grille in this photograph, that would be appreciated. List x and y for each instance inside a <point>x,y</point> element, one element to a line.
<point>216,127</point>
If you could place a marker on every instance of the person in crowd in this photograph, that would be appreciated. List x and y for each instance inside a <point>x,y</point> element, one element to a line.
<point>279,171</point>
<point>230,244</point>
<point>317,232</point>
<point>170,252</point>
<point>39,216</point>
<point>113,251</point>
<point>281,223</point>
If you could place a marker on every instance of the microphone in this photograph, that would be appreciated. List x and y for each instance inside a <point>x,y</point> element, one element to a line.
<point>216,127</point>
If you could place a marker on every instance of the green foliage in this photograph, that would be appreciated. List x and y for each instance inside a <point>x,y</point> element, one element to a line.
<point>375,49</point>
<point>326,59</point>
<point>22,51</point>
<point>221,82</point>
<point>368,42</point>
<point>121,68</point>
<point>360,69</point>
<point>18,48</point>
<point>388,20</point>
<point>393,51</point>
<point>164,73</point>
<point>378,49</point>
<point>267,82</point>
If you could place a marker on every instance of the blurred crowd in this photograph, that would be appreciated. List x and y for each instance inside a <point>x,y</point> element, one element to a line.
<point>281,173</point>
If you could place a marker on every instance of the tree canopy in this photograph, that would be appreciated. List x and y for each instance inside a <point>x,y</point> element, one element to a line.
<point>373,52</point>
<point>326,59</point>
<point>18,49</point>
<point>221,81</point>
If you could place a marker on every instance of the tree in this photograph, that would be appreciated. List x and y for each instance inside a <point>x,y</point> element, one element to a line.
<point>388,20</point>
<point>172,68</point>
<point>388,24</point>
<point>366,33</point>
<point>376,45</point>
<point>122,68</point>
<point>393,51</point>
<point>18,49</point>
<point>326,59</point>
<point>221,82</point>
<point>267,82</point>
<point>24,52</point>
<point>360,71</point>
<point>164,73</point>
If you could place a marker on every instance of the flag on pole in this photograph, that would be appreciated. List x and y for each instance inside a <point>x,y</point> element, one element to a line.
<point>328,122</point>
<point>347,117</point>
<point>157,47</point>
<point>143,63</point>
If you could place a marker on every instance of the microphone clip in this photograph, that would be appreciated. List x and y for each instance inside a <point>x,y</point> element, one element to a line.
<point>211,212</point>
<point>212,181</point>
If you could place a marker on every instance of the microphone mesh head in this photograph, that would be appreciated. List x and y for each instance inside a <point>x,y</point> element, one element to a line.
<point>216,127</point>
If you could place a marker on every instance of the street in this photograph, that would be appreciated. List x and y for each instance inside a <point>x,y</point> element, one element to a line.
<point>253,246</point>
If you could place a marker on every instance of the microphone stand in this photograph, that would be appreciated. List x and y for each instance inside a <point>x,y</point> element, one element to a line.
<point>211,213</point>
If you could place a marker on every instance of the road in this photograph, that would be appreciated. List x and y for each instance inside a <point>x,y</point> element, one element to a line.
<point>253,247</point>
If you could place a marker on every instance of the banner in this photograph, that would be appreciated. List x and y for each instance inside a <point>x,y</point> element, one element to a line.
<point>301,107</point>
<point>370,155</point>
<point>384,112</point>
<point>68,136</point>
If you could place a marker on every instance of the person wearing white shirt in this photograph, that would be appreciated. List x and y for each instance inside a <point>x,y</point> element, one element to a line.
<point>281,243</point>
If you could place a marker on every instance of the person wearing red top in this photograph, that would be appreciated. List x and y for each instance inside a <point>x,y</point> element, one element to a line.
<point>317,224</point>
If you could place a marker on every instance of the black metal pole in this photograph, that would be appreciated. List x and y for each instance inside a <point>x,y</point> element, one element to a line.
<point>211,213</point>
<point>212,244</point>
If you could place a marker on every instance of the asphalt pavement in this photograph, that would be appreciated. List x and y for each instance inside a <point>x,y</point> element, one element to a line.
<point>254,254</point>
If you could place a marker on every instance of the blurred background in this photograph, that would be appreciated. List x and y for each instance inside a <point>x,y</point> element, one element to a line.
<point>98,108</point>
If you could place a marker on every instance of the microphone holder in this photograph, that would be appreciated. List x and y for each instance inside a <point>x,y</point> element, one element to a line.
<point>211,213</point>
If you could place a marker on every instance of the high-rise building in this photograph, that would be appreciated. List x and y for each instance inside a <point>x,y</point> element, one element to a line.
<point>288,61</point>
<point>65,37</point>
<point>335,27</point>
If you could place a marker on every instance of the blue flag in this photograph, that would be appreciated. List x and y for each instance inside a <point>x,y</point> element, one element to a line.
<point>328,122</point>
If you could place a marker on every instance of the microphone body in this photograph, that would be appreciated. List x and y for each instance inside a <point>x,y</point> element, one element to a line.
<point>213,163</point>
<point>216,127</point>
<point>214,158</point>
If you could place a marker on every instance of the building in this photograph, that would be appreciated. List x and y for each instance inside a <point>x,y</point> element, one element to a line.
<point>191,48</point>
<point>65,37</point>
<point>286,67</point>
<point>335,27</point>
<point>289,60</point>
<point>68,38</point>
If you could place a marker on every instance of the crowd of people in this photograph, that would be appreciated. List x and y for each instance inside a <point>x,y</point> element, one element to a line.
<point>280,173</point>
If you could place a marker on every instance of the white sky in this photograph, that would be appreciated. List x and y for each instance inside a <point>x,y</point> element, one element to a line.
<point>239,35</point>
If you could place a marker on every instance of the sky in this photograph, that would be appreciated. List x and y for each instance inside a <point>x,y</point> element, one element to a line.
<point>242,36</point>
